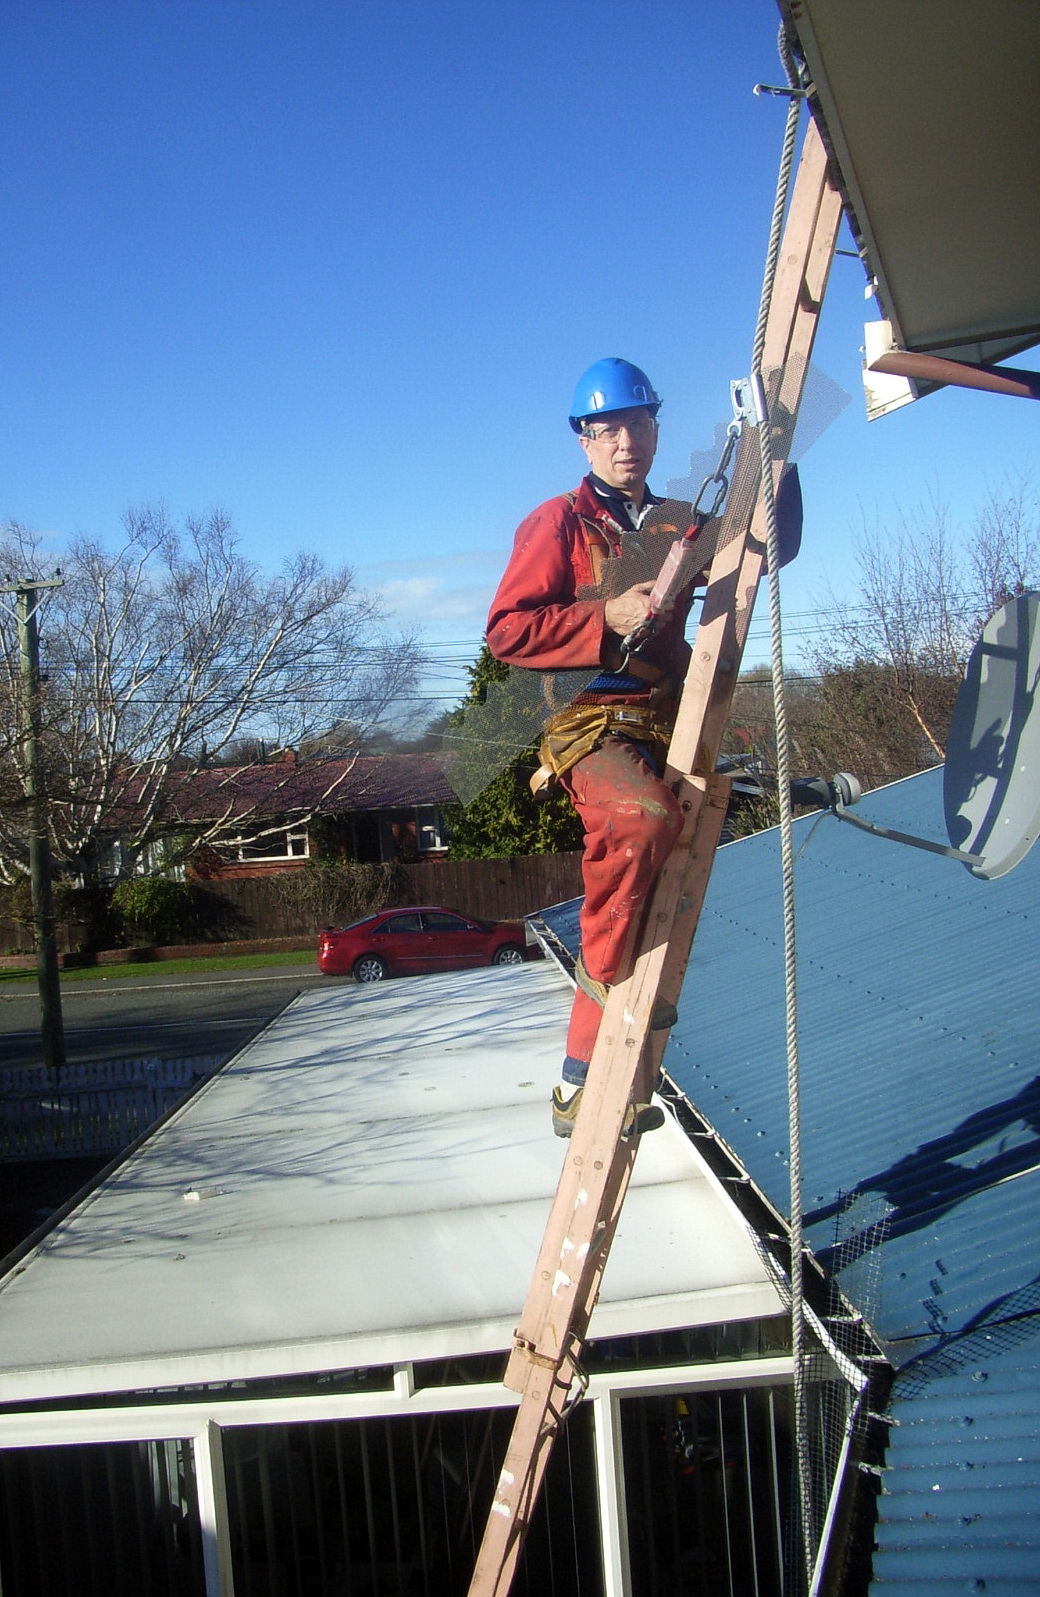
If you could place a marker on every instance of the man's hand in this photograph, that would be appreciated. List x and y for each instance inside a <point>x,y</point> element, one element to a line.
<point>628,609</point>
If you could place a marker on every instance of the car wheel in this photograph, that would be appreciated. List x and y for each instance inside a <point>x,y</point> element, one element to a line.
<point>370,968</point>
<point>510,954</point>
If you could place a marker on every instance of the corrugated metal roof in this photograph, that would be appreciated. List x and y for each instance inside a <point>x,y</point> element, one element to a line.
<point>960,1505</point>
<point>920,1052</point>
<point>368,1182</point>
<point>920,1062</point>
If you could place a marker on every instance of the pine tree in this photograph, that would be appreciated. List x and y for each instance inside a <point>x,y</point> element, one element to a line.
<point>505,819</point>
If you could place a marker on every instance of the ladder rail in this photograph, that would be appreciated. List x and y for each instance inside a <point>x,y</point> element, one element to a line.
<point>559,1281</point>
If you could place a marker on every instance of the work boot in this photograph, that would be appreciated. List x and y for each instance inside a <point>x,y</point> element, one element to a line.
<point>663,1016</point>
<point>565,1111</point>
<point>639,1117</point>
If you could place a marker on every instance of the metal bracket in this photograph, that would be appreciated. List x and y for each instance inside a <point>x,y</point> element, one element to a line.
<point>965,858</point>
<point>783,90</point>
<point>749,399</point>
<point>531,1353</point>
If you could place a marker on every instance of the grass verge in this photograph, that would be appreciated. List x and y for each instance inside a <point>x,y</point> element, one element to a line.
<point>152,967</point>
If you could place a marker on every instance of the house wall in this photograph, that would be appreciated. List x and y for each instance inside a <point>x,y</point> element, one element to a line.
<point>217,871</point>
<point>369,837</point>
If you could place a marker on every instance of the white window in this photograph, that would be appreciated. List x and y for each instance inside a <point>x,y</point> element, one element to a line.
<point>277,845</point>
<point>430,834</point>
<point>109,864</point>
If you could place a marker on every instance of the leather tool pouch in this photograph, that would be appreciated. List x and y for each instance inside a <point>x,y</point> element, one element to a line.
<point>576,731</point>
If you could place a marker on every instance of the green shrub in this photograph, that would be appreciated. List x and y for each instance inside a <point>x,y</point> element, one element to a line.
<point>155,910</point>
<point>81,914</point>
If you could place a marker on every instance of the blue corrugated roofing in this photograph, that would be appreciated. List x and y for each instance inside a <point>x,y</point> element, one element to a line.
<point>960,1505</point>
<point>920,1055</point>
<point>920,1066</point>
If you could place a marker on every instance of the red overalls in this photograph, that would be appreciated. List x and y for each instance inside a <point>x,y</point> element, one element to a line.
<point>631,819</point>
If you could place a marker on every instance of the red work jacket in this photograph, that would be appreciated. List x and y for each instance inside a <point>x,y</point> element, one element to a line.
<point>537,619</point>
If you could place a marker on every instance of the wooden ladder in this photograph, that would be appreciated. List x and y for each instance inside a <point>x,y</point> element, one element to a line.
<point>544,1363</point>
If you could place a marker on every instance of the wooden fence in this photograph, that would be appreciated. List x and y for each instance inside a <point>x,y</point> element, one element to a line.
<point>497,889</point>
<point>493,889</point>
<point>98,1107</point>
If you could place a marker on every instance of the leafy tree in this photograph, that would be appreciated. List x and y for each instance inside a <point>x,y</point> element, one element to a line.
<point>166,653</point>
<point>505,819</point>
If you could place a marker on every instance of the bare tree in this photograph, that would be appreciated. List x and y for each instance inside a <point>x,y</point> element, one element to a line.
<point>880,693</point>
<point>1005,551</point>
<point>750,734</point>
<point>165,653</point>
<point>899,647</point>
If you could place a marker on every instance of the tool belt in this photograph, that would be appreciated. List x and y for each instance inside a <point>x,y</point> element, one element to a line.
<point>576,731</point>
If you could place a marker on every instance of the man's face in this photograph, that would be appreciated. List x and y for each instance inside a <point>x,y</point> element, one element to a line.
<point>620,448</point>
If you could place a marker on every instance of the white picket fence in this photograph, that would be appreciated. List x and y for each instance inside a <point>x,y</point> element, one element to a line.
<point>97,1107</point>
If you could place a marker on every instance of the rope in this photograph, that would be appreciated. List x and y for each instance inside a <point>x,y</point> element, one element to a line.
<point>801,1427</point>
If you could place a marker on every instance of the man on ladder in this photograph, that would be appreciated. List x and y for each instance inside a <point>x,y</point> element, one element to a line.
<point>544,1366</point>
<point>608,747</point>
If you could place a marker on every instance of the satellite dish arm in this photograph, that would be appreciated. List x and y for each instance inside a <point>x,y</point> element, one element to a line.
<point>842,813</point>
<point>843,790</point>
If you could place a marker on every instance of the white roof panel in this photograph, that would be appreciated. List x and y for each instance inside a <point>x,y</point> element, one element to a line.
<point>372,1177</point>
<point>932,113</point>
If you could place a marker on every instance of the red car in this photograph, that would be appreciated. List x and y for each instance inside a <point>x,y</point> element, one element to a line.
<point>401,942</point>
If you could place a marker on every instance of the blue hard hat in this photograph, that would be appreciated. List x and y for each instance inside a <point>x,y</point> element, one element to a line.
<point>611,384</point>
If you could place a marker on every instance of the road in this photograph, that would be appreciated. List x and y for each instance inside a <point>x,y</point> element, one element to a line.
<point>157,1015</point>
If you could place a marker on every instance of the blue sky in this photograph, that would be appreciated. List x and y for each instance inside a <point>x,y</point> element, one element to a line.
<point>336,268</point>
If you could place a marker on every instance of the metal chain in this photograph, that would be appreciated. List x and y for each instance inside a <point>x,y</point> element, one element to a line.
<point>718,480</point>
<point>801,1427</point>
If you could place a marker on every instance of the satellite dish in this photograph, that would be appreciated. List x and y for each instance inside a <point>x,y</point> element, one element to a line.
<point>991,784</point>
<point>991,791</point>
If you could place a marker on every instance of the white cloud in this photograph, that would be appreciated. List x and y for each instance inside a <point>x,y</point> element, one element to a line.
<point>436,594</point>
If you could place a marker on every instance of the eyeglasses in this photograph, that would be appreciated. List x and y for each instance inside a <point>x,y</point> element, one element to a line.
<point>640,427</point>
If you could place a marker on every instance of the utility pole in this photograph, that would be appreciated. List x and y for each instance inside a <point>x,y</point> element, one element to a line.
<point>27,603</point>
